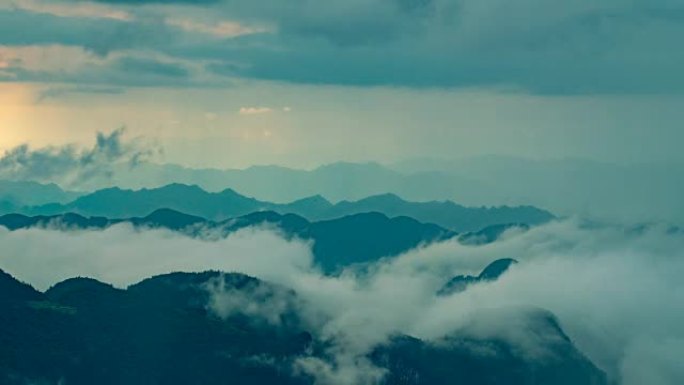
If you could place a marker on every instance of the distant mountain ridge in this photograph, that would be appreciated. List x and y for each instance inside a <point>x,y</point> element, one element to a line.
<point>15,194</point>
<point>444,213</point>
<point>631,193</point>
<point>335,181</point>
<point>193,200</point>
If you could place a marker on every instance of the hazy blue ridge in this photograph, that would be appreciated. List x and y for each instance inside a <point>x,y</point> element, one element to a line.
<point>191,199</point>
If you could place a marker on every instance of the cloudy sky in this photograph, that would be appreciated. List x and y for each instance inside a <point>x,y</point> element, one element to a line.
<point>231,83</point>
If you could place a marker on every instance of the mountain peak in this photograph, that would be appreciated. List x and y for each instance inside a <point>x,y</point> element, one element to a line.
<point>491,272</point>
<point>313,198</point>
<point>113,189</point>
<point>180,187</point>
<point>171,218</point>
<point>82,290</point>
<point>229,192</point>
<point>384,198</point>
<point>495,269</point>
<point>353,166</point>
<point>314,202</point>
<point>78,284</point>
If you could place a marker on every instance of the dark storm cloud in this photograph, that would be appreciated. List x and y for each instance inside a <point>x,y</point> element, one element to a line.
<point>125,71</point>
<point>140,2</point>
<point>100,36</point>
<point>151,67</point>
<point>573,48</point>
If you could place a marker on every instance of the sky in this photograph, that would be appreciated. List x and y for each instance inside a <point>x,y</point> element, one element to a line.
<point>220,83</point>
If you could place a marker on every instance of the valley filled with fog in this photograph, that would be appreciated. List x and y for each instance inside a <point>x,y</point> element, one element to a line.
<point>613,290</point>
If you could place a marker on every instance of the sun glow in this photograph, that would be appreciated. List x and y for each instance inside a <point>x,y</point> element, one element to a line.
<point>15,110</point>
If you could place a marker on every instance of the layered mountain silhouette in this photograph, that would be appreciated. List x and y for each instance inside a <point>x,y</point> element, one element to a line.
<point>335,181</point>
<point>162,331</point>
<point>337,243</point>
<point>120,203</point>
<point>603,191</point>
<point>16,194</point>
<point>444,213</point>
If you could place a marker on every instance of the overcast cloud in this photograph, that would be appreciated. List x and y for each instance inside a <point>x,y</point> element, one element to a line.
<point>574,47</point>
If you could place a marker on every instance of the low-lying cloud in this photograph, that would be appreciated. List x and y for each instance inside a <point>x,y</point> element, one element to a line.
<point>123,255</point>
<point>616,293</point>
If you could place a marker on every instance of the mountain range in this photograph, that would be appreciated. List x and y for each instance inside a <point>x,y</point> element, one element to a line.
<point>193,200</point>
<point>566,186</point>
<point>335,181</point>
<point>16,194</point>
<point>162,331</point>
<point>337,243</point>
<point>616,192</point>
